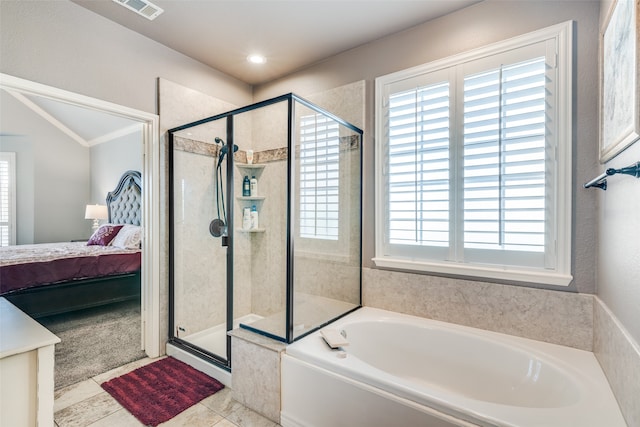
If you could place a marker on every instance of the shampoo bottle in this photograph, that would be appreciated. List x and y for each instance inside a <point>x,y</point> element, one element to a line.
<point>254,186</point>
<point>246,219</point>
<point>246,187</point>
<point>254,217</point>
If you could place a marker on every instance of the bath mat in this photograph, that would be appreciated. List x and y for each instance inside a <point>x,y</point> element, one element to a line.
<point>161,390</point>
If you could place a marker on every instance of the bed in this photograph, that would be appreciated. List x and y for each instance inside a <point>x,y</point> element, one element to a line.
<point>53,278</point>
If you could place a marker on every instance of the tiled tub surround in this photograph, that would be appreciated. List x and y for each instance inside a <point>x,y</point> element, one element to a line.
<point>581,321</point>
<point>256,372</point>
<point>619,357</point>
<point>556,317</point>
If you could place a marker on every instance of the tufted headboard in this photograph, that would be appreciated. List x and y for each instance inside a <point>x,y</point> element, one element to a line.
<point>125,202</point>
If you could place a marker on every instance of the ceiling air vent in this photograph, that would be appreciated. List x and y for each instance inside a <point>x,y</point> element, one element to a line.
<point>142,7</point>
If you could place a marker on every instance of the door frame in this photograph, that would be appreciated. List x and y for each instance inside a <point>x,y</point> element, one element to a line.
<point>150,283</point>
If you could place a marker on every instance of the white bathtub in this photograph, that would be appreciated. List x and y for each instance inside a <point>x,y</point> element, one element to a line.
<point>401,370</point>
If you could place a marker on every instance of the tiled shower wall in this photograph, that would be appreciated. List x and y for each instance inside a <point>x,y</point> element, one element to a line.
<point>200,259</point>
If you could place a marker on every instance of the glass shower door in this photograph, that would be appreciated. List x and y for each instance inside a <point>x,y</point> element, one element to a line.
<point>198,258</point>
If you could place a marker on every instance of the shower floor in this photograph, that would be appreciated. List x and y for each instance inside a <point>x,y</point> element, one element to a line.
<point>310,312</point>
<point>214,339</point>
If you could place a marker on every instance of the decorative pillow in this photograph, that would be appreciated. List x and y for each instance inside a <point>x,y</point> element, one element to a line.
<point>128,237</point>
<point>104,235</point>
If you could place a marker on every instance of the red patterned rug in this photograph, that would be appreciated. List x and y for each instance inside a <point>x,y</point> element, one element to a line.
<point>161,390</point>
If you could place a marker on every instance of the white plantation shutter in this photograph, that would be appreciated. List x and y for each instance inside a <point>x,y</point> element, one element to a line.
<point>504,158</point>
<point>319,177</point>
<point>470,170</point>
<point>7,199</point>
<point>418,168</point>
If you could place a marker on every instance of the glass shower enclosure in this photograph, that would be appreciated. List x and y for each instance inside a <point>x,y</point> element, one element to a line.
<point>265,224</point>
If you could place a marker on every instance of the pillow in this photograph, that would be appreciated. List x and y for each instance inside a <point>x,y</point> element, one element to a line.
<point>104,235</point>
<point>128,237</point>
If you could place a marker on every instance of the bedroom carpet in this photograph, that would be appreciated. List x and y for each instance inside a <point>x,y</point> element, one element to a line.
<point>94,341</point>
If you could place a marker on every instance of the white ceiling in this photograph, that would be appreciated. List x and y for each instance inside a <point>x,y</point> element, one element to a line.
<point>292,34</point>
<point>86,126</point>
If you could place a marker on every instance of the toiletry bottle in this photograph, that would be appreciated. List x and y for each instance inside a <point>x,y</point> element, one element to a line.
<point>246,219</point>
<point>254,186</point>
<point>246,187</point>
<point>254,217</point>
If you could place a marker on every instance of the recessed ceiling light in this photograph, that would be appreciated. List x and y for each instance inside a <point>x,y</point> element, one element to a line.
<point>256,59</point>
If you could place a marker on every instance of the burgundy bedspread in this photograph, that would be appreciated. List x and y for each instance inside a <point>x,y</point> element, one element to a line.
<point>27,266</point>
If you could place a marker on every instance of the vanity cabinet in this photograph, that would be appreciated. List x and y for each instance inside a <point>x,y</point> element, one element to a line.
<point>26,369</point>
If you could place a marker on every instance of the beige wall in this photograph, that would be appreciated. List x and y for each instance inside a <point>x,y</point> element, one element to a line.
<point>63,45</point>
<point>481,24</point>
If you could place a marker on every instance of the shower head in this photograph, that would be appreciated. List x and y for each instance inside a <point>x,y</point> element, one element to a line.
<point>224,150</point>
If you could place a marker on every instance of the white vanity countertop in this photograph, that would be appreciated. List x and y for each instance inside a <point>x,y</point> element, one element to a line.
<point>19,333</point>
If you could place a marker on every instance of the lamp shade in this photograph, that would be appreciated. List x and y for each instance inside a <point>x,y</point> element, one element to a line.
<point>96,212</point>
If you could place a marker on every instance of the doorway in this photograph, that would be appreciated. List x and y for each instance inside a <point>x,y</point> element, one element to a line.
<point>150,181</point>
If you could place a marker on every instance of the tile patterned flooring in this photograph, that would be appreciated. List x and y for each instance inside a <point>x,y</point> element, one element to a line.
<point>86,404</point>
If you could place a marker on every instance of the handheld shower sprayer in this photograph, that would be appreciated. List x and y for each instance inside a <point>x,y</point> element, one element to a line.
<point>218,227</point>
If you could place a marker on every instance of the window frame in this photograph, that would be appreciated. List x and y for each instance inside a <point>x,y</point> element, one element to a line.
<point>10,157</point>
<point>559,38</point>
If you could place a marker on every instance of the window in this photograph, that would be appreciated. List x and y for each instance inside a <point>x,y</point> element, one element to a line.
<point>7,199</point>
<point>474,161</point>
<point>319,177</point>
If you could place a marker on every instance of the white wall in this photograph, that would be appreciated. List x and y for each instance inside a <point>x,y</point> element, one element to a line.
<point>618,218</point>
<point>478,25</point>
<point>619,243</point>
<point>52,174</point>
<point>110,160</point>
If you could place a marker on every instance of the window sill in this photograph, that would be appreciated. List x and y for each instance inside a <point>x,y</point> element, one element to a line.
<point>545,277</point>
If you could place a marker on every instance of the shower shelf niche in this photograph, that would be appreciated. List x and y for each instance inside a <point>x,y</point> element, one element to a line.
<point>253,167</point>
<point>250,198</point>
<point>256,167</point>
<point>250,166</point>
<point>251,230</point>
